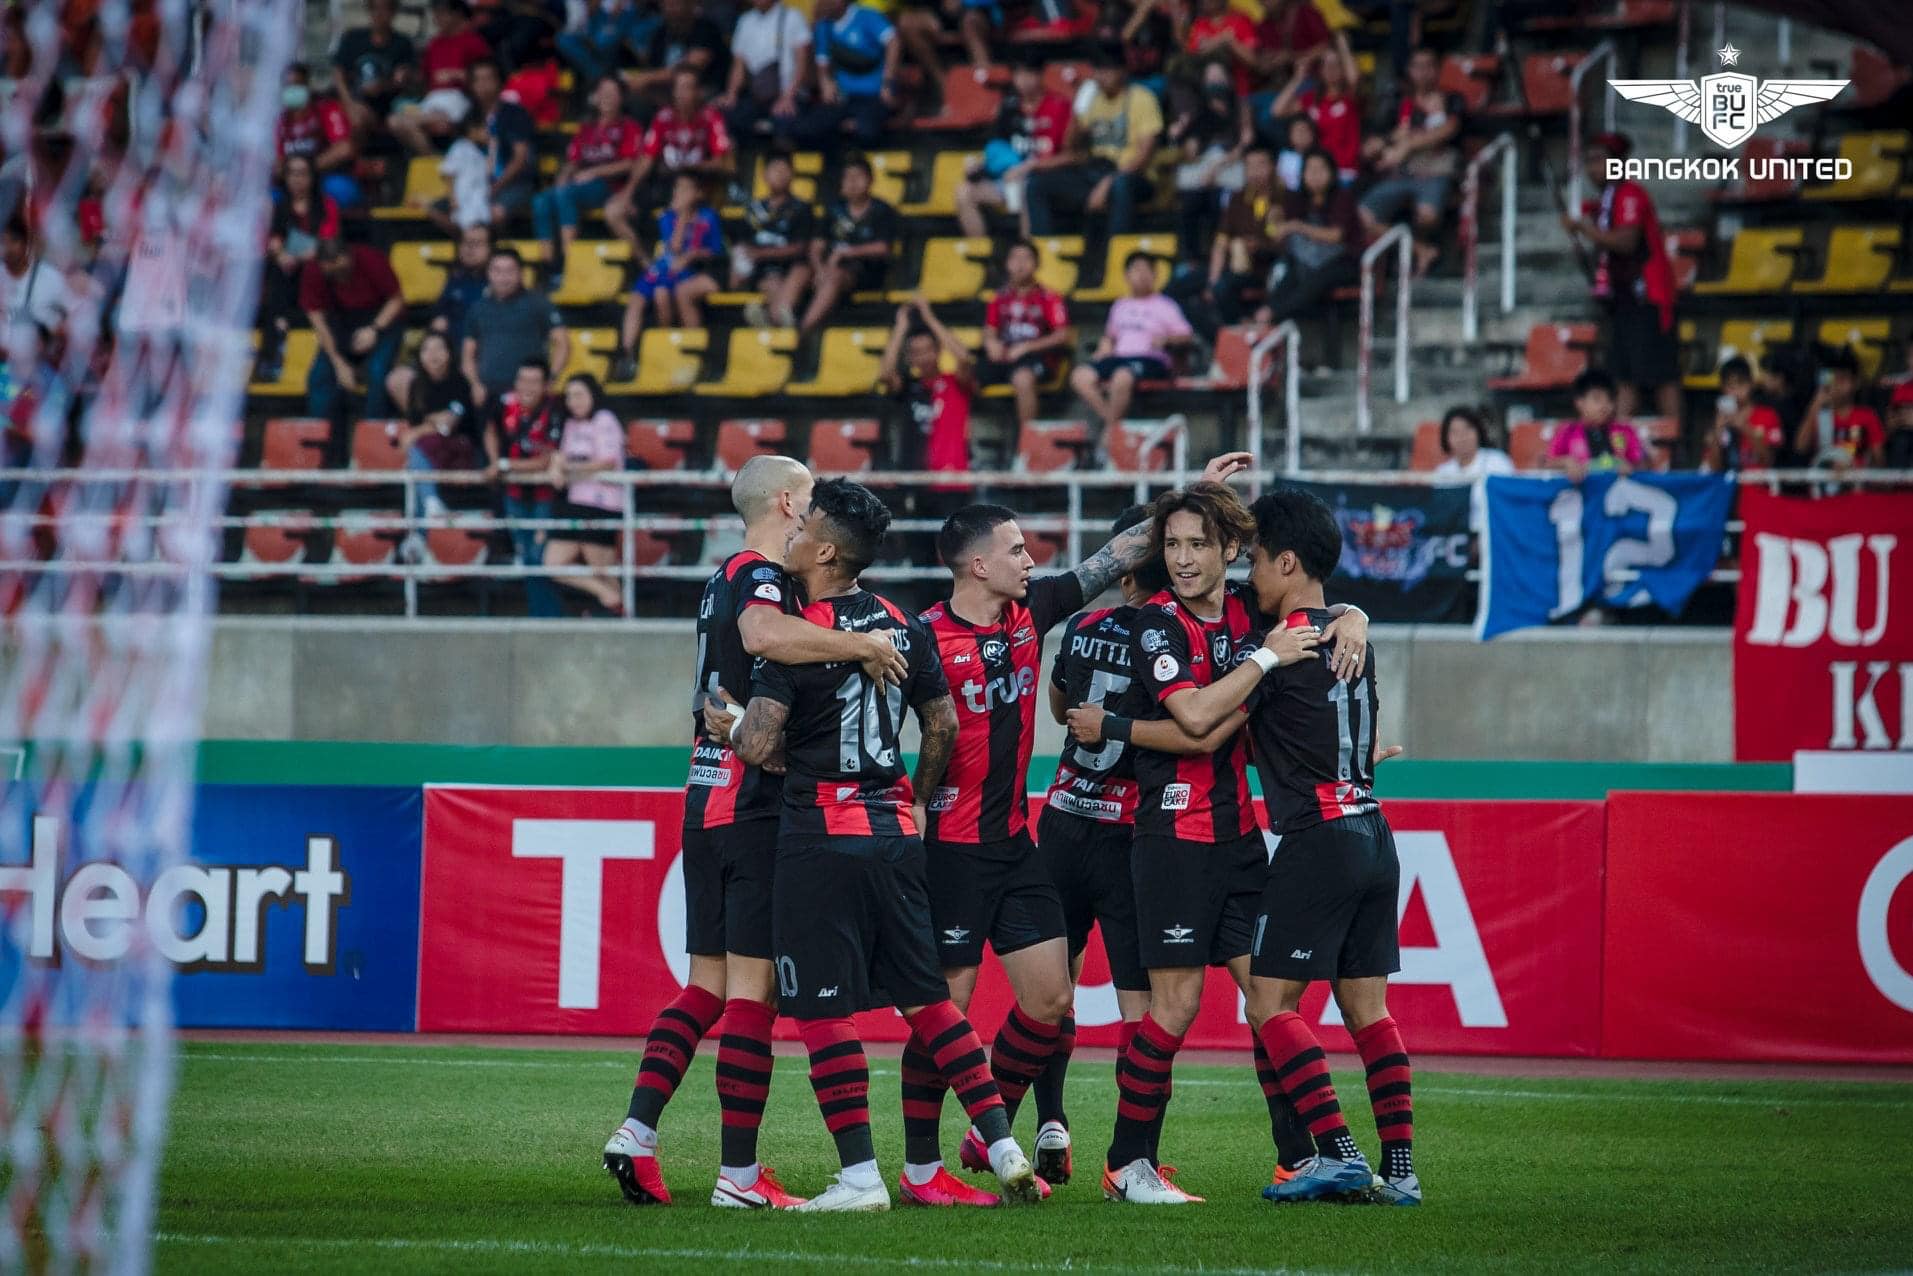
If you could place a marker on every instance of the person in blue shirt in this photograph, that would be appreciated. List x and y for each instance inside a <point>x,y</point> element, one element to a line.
<point>857,55</point>
<point>690,244</point>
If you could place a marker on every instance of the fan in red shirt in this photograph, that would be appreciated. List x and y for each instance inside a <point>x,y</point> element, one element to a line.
<point>448,60</point>
<point>1290,30</point>
<point>1029,132</point>
<point>937,437</point>
<point>602,154</point>
<point>1223,35</point>
<point>1747,434</point>
<point>686,136</point>
<point>1324,89</point>
<point>1838,430</point>
<point>1025,331</point>
<point>316,127</point>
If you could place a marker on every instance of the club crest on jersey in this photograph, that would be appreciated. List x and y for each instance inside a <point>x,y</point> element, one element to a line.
<point>1154,640</point>
<point>943,798</point>
<point>1165,668</point>
<point>995,650</point>
<point>1220,646</point>
<point>955,935</point>
<point>1175,797</point>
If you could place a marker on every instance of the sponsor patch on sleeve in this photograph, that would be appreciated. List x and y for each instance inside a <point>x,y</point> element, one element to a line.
<point>1165,668</point>
<point>769,592</point>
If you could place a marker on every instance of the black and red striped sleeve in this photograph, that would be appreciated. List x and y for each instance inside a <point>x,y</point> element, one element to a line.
<point>1052,598</point>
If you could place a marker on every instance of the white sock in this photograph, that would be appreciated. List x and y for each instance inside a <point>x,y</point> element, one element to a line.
<point>1000,1149</point>
<point>863,1174</point>
<point>646,1136</point>
<point>921,1174</point>
<point>742,1176</point>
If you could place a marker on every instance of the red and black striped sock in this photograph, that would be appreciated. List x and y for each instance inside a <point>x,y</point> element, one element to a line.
<point>1018,1055</point>
<point>840,1076</point>
<point>743,1078</point>
<point>1049,1086</point>
<point>668,1050</point>
<point>948,1038</point>
<point>1125,1033</point>
<point>923,1091</point>
<point>1302,1070</point>
<point>1389,1094</point>
<point>1292,1143</point>
<point>1142,1086</point>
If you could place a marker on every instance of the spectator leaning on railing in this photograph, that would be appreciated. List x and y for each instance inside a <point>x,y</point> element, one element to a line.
<point>769,49</point>
<point>1839,430</point>
<point>1469,455</point>
<point>441,430</point>
<point>776,260</point>
<point>522,430</point>
<point>1594,440</point>
<point>1747,434</point>
<point>592,445</point>
<point>447,64</point>
<point>1113,133</point>
<point>509,326</point>
<point>352,300</point>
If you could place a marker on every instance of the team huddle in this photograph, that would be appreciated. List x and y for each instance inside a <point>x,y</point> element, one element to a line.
<point>821,880</point>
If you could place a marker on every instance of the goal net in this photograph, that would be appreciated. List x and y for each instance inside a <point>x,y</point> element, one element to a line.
<point>136,147</point>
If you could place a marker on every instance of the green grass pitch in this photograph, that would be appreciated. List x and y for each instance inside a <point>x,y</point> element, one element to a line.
<point>287,1157</point>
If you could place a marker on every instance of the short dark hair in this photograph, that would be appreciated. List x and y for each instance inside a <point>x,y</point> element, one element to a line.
<point>461,7</point>
<point>1150,573</point>
<point>493,63</point>
<point>857,521</point>
<point>1136,256</point>
<point>859,161</point>
<point>536,363</point>
<point>299,69</point>
<point>1593,379</point>
<point>1216,504</point>
<point>1109,56</point>
<point>1024,243</point>
<point>780,152</point>
<point>1289,518</point>
<point>506,250</point>
<point>1841,359</point>
<point>968,526</point>
<point>1472,417</point>
<point>1736,366</point>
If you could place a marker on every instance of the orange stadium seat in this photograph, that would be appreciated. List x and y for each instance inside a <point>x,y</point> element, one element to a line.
<point>1875,80</point>
<point>1043,547</point>
<point>286,539</point>
<point>739,441</point>
<point>356,543</point>
<point>1127,454</point>
<point>1557,353</point>
<point>1545,86</point>
<point>1471,77</point>
<point>660,445</point>
<point>1065,77</point>
<point>844,447</point>
<point>1684,249</point>
<point>968,102</point>
<point>375,445</point>
<point>1047,446</point>
<point>456,546</point>
<point>1528,444</point>
<point>648,549</point>
<point>1427,451</point>
<point>295,443</point>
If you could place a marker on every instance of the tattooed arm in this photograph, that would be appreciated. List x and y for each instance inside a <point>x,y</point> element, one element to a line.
<point>759,738</point>
<point>939,722</point>
<point>1124,553</point>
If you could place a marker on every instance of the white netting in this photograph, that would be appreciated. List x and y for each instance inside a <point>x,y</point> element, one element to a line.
<point>137,152</point>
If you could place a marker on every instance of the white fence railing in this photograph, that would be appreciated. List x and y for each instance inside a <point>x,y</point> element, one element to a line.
<point>1402,240</point>
<point>1504,148</point>
<point>1289,337</point>
<point>1602,54</point>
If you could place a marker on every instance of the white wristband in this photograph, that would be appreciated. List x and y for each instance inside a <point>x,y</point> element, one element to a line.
<point>1264,659</point>
<point>736,722</point>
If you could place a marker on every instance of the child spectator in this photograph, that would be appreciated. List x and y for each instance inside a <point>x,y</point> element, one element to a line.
<point>937,436</point>
<point>372,66</point>
<point>1838,430</point>
<point>853,255</point>
<point>1418,161</point>
<point>1595,440</point>
<point>776,261</point>
<point>352,300</point>
<point>522,430</point>
<point>690,244</point>
<point>1026,332</point>
<point>441,430</point>
<point>302,215</point>
<point>857,57</point>
<point>592,444</point>
<point>317,128</point>
<point>1746,434</point>
<point>1298,139</point>
<point>1028,136</point>
<point>1318,239</point>
<point>508,327</point>
<point>1469,455</point>
<point>1112,139</point>
<point>770,49</point>
<point>467,170</point>
<point>1142,330</point>
<point>685,137</point>
<point>447,64</point>
<point>602,154</point>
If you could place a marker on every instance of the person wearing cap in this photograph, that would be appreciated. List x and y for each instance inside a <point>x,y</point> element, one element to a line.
<point>1633,280</point>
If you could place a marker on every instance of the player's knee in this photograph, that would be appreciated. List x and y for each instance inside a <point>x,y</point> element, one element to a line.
<point>1048,1004</point>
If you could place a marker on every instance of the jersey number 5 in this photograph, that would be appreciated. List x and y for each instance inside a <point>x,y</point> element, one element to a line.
<point>1103,685</point>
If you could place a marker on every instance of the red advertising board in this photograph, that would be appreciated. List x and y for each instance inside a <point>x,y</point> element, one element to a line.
<point>561,910</point>
<point>1770,926</point>
<point>1823,638</point>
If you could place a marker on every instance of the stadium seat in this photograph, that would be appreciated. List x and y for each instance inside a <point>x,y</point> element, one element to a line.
<point>375,445</point>
<point>1058,264</point>
<point>648,549</point>
<point>1684,249</point>
<point>1546,89</point>
<point>455,546</point>
<point>1233,348</point>
<point>1042,547</point>
<point>759,364</point>
<point>660,445</point>
<point>1426,454</point>
<point>594,272</point>
<point>1065,77</point>
<point>1048,446</point>
<point>1878,161</point>
<point>1528,444</point>
<point>1859,259</point>
<point>287,538</point>
<point>889,173</point>
<point>421,268</point>
<point>848,361</point>
<point>1625,15</point>
<point>952,270</point>
<point>1127,454</point>
<point>1472,77</point>
<point>295,443</point>
<point>1768,189</point>
<point>356,542</point>
<point>1162,247</point>
<point>1749,338</point>
<point>1660,435</point>
<point>948,171</point>
<point>669,359</point>
<point>1556,354</point>
<point>423,184</point>
<point>739,441</point>
<point>300,349</point>
<point>1761,260</point>
<point>968,102</point>
<point>1868,339</point>
<point>1875,80</point>
<point>844,447</point>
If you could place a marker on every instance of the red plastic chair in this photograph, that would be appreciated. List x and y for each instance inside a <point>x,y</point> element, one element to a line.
<point>843,447</point>
<point>660,445</point>
<point>375,446</point>
<point>295,443</point>
<point>1557,353</point>
<point>739,441</point>
<point>1047,446</point>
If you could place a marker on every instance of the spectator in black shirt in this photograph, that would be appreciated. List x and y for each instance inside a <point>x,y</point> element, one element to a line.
<point>687,38</point>
<point>1146,30</point>
<point>514,135</point>
<point>774,257</point>
<point>371,67</point>
<point>465,283</point>
<point>302,215</point>
<point>1210,137</point>
<point>853,253</point>
<point>441,430</point>
<point>1899,429</point>
<point>1318,238</point>
<point>518,30</point>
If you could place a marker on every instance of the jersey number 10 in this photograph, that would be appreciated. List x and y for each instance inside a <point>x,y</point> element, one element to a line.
<point>865,732</point>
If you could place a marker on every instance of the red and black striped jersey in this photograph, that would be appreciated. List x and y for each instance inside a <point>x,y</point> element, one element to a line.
<point>1314,738</point>
<point>1202,797</point>
<point>1093,667</point>
<point>721,789</point>
<point>843,740</point>
<point>993,674</point>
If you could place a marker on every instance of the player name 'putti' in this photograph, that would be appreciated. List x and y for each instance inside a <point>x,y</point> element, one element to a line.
<point>1726,168</point>
<point>1092,648</point>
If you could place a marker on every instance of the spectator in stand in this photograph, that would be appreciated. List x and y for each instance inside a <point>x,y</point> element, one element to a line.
<point>1146,35</point>
<point>442,431</point>
<point>1747,434</point>
<point>684,40</point>
<point>1211,138</point>
<point>1898,452</point>
<point>857,55</point>
<point>853,255</point>
<point>1594,440</point>
<point>34,297</point>
<point>447,64</point>
<point>776,261</point>
<point>1418,161</point>
<point>1633,281</point>
<point>317,128</point>
<point>1291,30</point>
<point>1222,36</point>
<point>1243,251</point>
<point>1143,330</point>
<point>592,444</point>
<point>602,155</point>
<point>1026,332</point>
<point>514,137</point>
<point>508,327</point>
<point>1470,456</point>
<point>522,430</point>
<point>1323,88</point>
<point>1838,430</point>
<point>770,48</point>
<point>517,30</point>
<point>1318,239</point>
<point>352,300</point>
<point>921,26</point>
<point>679,277</point>
<point>1113,133</point>
<point>465,283</point>
<point>467,170</point>
<point>685,137</point>
<point>302,215</point>
<point>1301,138</point>
<point>1030,129</point>
<point>372,66</point>
<point>936,438</point>
<point>608,36</point>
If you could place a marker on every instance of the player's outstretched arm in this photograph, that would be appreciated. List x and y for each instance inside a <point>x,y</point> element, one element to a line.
<point>1200,710</point>
<point>758,736</point>
<point>938,719</point>
<point>1091,725</point>
<point>791,640</point>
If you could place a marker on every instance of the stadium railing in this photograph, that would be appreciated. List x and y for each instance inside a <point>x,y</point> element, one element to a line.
<point>1602,54</point>
<point>1289,337</point>
<point>1402,240</point>
<point>1504,148</point>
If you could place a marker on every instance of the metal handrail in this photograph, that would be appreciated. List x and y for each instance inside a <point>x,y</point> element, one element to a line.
<point>1602,52</point>
<point>1287,335</point>
<point>1471,231</point>
<point>1683,35</point>
<point>1403,241</point>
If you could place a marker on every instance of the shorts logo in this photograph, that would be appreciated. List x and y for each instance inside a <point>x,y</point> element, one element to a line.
<point>955,935</point>
<point>1302,954</point>
<point>944,798</point>
<point>1175,797</point>
<point>1165,668</point>
<point>995,650</point>
<point>770,592</point>
<point>846,792</point>
<point>1154,640</point>
<point>1177,934</point>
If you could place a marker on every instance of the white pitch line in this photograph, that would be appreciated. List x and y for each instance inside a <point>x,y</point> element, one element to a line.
<point>561,1249</point>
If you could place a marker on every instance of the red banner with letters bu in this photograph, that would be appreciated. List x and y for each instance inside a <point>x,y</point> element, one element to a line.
<point>561,911</point>
<point>1823,638</point>
<point>1759,926</point>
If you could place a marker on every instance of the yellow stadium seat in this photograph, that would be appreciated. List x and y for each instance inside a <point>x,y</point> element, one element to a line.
<point>808,166</point>
<point>301,348</point>
<point>1761,261</point>
<point>1859,259</point>
<point>591,352</point>
<point>594,272</point>
<point>1162,247</point>
<point>889,173</point>
<point>847,363</point>
<point>952,270</point>
<point>421,270</point>
<point>668,359</point>
<point>1751,338</point>
<point>423,184</point>
<point>1878,160</point>
<point>1059,261</point>
<point>1867,338</point>
<point>947,173</point>
<point>759,364</point>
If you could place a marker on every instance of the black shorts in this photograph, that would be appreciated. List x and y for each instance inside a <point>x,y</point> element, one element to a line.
<point>1196,901</point>
<point>727,889</point>
<point>1041,365</point>
<point>606,536</point>
<point>1005,897</point>
<point>851,928</point>
<point>867,274</point>
<point>1640,353</point>
<point>1329,909</point>
<point>1089,863</point>
<point>1142,369</point>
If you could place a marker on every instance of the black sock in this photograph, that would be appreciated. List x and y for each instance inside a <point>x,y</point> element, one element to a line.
<point>1049,1086</point>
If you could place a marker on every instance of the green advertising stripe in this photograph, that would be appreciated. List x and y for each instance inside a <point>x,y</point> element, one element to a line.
<point>351,762</point>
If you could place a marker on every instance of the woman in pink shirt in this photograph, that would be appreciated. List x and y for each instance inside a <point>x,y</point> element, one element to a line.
<point>591,444</point>
<point>1141,332</point>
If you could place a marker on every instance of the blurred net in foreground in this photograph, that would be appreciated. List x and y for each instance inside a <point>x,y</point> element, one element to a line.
<point>136,144</point>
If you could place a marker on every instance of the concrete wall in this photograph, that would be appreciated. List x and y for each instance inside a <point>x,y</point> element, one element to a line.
<point>1622,695</point>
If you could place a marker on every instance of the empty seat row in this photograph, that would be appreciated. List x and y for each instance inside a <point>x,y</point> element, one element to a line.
<point>1766,259</point>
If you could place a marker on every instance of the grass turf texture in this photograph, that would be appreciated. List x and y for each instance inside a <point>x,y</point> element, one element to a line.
<point>405,1158</point>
